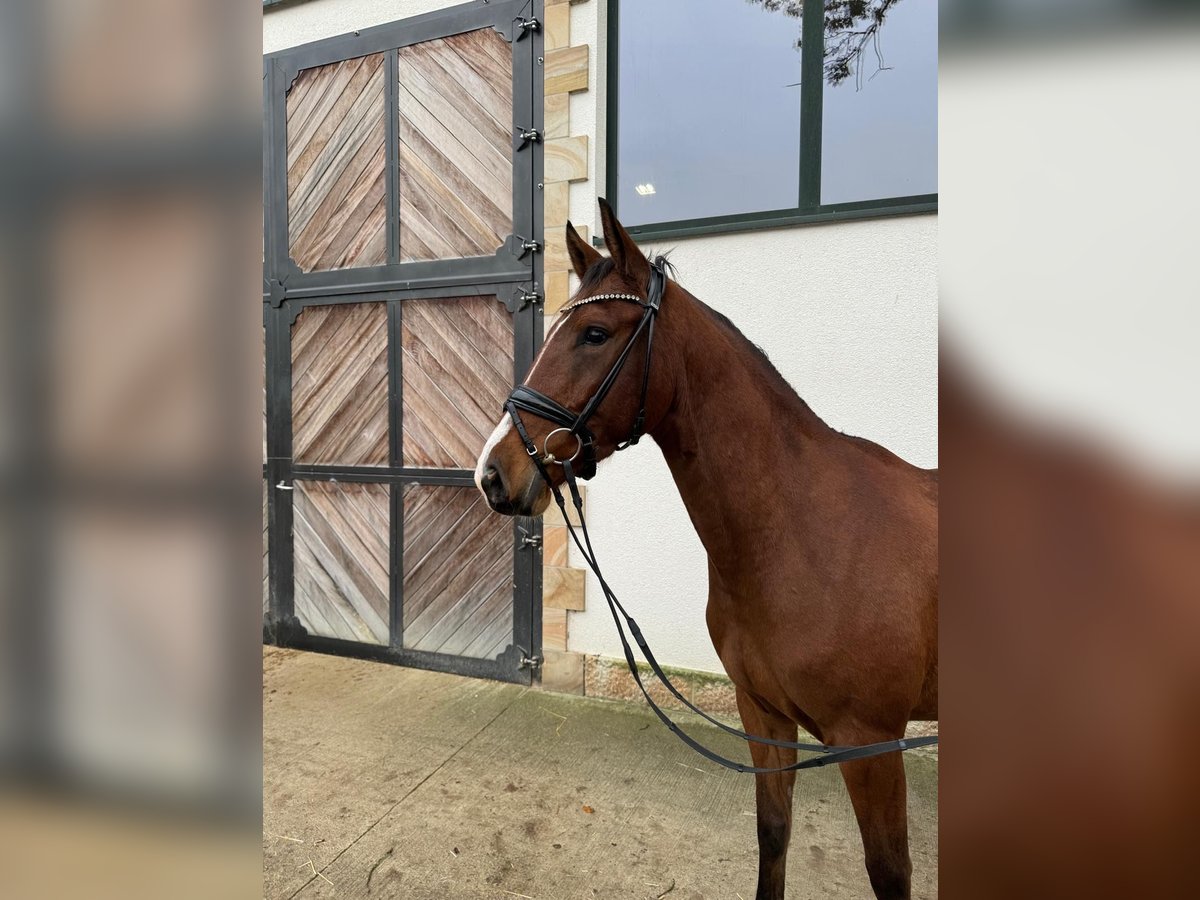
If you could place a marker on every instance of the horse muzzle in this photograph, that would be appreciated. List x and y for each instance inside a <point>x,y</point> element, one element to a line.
<point>513,489</point>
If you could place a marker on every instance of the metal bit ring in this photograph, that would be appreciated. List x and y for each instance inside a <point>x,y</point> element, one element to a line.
<point>550,457</point>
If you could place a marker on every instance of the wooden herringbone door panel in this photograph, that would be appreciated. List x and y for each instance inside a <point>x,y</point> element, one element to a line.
<point>336,156</point>
<point>340,385</point>
<point>458,595</point>
<point>456,180</point>
<point>457,369</point>
<point>341,544</point>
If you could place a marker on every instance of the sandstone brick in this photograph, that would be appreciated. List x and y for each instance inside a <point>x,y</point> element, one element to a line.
<point>554,629</point>
<point>557,259</point>
<point>562,672</point>
<point>562,587</point>
<point>556,205</point>
<point>566,159</point>
<point>566,70</point>
<point>552,516</point>
<point>557,26</point>
<point>554,545</point>
<point>556,119</point>
<point>558,291</point>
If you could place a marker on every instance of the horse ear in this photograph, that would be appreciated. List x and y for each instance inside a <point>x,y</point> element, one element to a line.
<point>582,254</point>
<point>621,247</point>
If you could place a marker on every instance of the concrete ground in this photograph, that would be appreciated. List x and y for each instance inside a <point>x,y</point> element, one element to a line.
<point>380,781</point>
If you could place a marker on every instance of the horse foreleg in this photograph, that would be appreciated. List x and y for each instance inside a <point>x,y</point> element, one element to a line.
<point>877,790</point>
<point>772,793</point>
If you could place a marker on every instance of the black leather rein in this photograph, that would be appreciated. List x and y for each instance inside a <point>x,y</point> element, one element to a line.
<point>575,424</point>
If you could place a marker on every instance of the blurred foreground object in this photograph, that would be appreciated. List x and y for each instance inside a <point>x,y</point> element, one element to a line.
<point>1070,441</point>
<point>1070,632</point>
<point>130,227</point>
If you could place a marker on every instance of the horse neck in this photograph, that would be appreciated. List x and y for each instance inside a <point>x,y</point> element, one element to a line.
<point>735,439</point>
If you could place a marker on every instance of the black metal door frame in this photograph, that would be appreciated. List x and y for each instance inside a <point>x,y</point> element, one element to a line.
<point>514,274</point>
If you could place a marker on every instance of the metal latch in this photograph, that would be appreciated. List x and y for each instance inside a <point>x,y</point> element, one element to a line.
<point>530,540</point>
<point>525,137</point>
<point>527,26</point>
<point>522,246</point>
<point>532,663</point>
<point>526,297</point>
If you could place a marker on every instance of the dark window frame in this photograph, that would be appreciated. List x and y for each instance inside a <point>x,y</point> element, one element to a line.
<point>809,210</point>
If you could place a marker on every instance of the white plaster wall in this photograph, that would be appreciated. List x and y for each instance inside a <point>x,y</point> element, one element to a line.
<point>290,26</point>
<point>847,312</point>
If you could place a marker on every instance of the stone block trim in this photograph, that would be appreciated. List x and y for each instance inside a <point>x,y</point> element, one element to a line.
<point>553,515</point>
<point>554,630</point>
<point>562,672</point>
<point>556,207</point>
<point>610,679</point>
<point>565,71</point>
<point>558,290</point>
<point>556,120</point>
<point>554,545</point>
<point>565,159</point>
<point>557,27</point>
<point>556,248</point>
<point>562,588</point>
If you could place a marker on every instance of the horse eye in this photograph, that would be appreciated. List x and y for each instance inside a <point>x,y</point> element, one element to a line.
<point>595,335</point>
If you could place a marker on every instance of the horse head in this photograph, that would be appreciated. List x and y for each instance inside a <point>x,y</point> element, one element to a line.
<point>591,390</point>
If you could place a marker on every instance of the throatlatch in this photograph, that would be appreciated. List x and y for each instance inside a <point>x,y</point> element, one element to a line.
<point>536,403</point>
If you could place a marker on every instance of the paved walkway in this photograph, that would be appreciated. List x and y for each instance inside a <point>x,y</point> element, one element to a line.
<point>380,781</point>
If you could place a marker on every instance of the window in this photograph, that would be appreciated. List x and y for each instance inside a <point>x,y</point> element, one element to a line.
<point>713,124</point>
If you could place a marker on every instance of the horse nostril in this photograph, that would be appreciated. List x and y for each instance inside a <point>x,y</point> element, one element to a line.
<point>493,485</point>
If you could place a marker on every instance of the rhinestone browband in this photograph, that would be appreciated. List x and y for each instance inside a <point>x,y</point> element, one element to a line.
<point>632,298</point>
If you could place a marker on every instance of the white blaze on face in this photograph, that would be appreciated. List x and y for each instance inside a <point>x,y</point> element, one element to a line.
<point>505,425</point>
<point>503,428</point>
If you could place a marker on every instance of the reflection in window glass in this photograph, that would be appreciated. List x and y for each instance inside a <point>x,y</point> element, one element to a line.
<point>709,109</point>
<point>879,136</point>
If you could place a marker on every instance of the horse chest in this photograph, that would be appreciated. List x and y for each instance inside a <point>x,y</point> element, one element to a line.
<point>749,653</point>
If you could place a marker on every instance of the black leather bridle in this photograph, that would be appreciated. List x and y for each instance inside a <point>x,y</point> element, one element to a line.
<point>536,403</point>
<point>574,424</point>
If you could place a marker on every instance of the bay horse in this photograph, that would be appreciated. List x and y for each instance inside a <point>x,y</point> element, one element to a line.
<point>822,547</point>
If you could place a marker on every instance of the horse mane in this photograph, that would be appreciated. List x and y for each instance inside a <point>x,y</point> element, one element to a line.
<point>782,385</point>
<point>740,338</point>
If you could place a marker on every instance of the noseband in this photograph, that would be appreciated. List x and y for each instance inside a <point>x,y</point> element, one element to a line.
<point>575,424</point>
